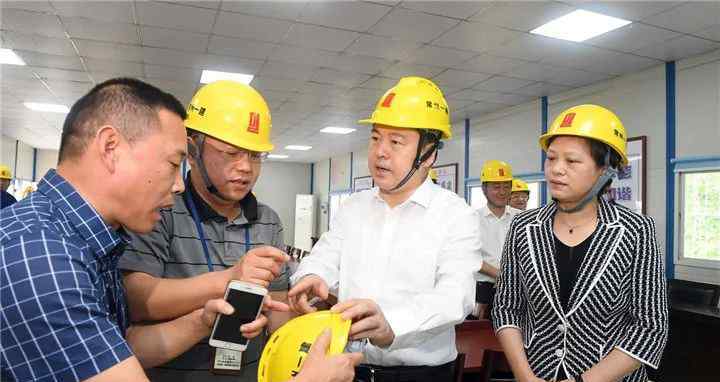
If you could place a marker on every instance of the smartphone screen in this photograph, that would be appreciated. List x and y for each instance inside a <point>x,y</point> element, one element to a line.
<point>246,308</point>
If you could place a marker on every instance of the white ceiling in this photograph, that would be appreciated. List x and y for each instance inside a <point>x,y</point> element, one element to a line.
<point>326,63</point>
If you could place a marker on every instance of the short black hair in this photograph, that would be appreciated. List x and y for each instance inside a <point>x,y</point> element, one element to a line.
<point>598,151</point>
<point>129,104</point>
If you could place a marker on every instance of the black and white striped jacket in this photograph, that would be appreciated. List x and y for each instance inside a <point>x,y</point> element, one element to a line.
<point>619,300</point>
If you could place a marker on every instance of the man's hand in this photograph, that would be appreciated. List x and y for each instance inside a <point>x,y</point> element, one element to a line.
<point>320,368</point>
<point>368,321</point>
<point>250,330</point>
<point>259,266</point>
<point>309,286</point>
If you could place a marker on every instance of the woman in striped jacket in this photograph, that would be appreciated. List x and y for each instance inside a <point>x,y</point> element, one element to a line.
<point>581,295</point>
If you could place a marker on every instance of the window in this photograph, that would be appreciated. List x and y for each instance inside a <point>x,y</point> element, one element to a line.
<point>20,188</point>
<point>700,218</point>
<point>478,200</point>
<point>336,200</point>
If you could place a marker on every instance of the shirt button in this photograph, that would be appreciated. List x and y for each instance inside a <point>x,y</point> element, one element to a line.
<point>561,328</point>
<point>559,353</point>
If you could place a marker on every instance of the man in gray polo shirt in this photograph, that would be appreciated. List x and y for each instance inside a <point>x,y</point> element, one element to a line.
<point>169,271</point>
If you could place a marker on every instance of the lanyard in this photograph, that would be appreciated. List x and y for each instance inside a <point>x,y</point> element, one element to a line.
<point>201,232</point>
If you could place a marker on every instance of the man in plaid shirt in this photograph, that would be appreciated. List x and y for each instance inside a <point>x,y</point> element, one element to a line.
<point>63,314</point>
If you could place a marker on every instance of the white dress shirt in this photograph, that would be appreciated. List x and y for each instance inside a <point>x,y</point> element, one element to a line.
<point>416,261</point>
<point>492,236</point>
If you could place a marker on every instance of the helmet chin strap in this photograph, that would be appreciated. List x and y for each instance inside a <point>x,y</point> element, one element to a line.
<point>419,159</point>
<point>607,175</point>
<point>196,153</point>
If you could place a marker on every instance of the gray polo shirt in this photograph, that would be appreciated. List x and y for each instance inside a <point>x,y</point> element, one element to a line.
<point>173,250</point>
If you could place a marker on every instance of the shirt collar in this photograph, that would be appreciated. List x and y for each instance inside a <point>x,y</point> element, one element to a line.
<point>248,206</point>
<point>485,211</point>
<point>422,195</point>
<point>101,237</point>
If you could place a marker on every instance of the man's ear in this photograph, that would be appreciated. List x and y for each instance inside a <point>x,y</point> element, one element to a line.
<point>428,163</point>
<point>106,144</point>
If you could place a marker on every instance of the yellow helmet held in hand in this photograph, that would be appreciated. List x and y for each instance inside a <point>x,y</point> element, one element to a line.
<point>496,171</point>
<point>5,172</point>
<point>414,103</point>
<point>519,185</point>
<point>287,348</point>
<point>232,112</point>
<point>593,122</point>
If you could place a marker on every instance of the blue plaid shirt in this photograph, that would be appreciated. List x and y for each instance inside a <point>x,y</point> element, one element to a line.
<point>63,314</point>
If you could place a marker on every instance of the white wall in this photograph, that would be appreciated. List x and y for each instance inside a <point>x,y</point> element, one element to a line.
<point>320,189</point>
<point>277,186</point>
<point>46,159</point>
<point>698,106</point>
<point>7,151</point>
<point>24,168</point>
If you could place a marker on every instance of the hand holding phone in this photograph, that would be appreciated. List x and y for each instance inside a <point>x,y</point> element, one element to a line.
<point>247,302</point>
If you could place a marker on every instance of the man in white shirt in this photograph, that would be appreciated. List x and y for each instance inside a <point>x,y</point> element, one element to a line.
<point>495,218</point>
<point>401,255</point>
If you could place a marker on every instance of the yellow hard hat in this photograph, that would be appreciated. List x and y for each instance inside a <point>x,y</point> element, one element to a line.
<point>519,185</point>
<point>593,122</point>
<point>433,174</point>
<point>232,112</point>
<point>496,171</point>
<point>287,348</point>
<point>5,172</point>
<point>414,103</point>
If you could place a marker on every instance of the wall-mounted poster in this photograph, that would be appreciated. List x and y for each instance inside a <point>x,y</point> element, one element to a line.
<point>447,176</point>
<point>628,188</point>
<point>362,183</point>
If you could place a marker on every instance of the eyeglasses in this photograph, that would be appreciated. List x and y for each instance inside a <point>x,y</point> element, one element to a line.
<point>239,154</point>
<point>522,197</point>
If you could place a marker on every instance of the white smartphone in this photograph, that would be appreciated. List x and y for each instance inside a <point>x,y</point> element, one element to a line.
<point>247,300</point>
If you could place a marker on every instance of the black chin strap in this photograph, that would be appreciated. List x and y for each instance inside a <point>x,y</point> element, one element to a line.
<point>420,157</point>
<point>606,176</point>
<point>196,153</point>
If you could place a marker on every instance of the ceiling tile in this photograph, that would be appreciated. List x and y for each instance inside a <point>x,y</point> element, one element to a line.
<point>280,84</point>
<point>438,56</point>
<point>675,49</point>
<point>132,69</point>
<point>59,74</point>
<point>50,60</point>
<point>403,69</point>
<point>620,63</point>
<point>629,10</point>
<point>115,11</point>
<point>209,4</point>
<point>632,37</point>
<point>487,63</point>
<point>580,56</point>
<point>409,25</point>
<point>175,16</point>
<point>231,64</point>
<point>478,108</point>
<point>240,48</point>
<point>251,27</point>
<point>478,37</point>
<point>522,15</point>
<point>357,16</point>
<point>502,84</point>
<point>109,50</point>
<point>574,77</point>
<point>319,37</point>
<point>288,10</point>
<point>325,90</point>
<point>172,73</point>
<point>35,6</point>
<point>382,47</point>
<point>457,9</point>
<point>336,77</point>
<point>509,99</point>
<point>37,43</point>
<point>359,64</point>
<point>16,72</point>
<point>378,84</point>
<point>304,56</point>
<point>172,57</point>
<point>287,70</point>
<point>536,72</point>
<point>460,79</point>
<point>31,23</point>
<point>101,30</point>
<point>712,33</point>
<point>690,17</point>
<point>174,39</point>
<point>534,48</point>
<point>69,86</point>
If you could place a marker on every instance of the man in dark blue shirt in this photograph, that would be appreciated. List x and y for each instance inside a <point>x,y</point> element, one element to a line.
<point>6,199</point>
